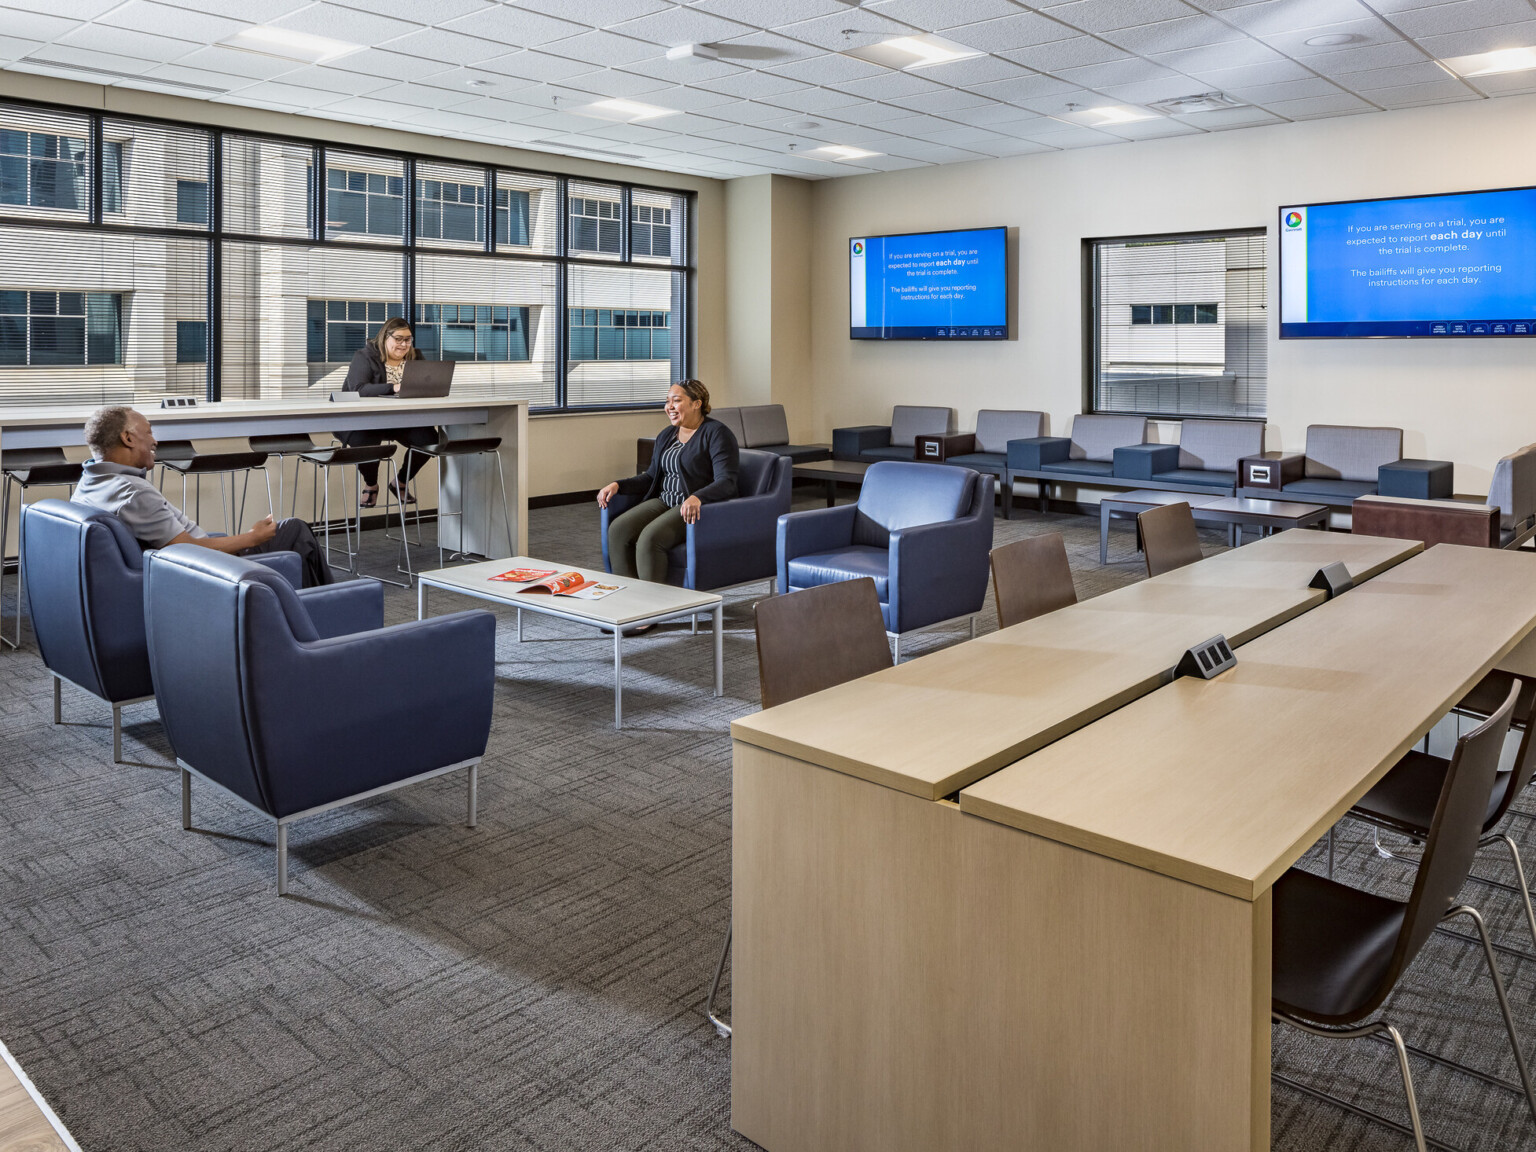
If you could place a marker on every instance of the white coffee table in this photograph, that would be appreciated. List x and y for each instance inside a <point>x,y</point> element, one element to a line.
<point>638,602</point>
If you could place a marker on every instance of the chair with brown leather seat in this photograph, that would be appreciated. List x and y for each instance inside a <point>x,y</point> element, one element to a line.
<point>807,641</point>
<point>1339,951</point>
<point>1031,577</point>
<point>1168,538</point>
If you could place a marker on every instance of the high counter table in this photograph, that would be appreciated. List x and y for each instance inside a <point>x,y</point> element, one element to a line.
<point>466,484</point>
<point>1076,955</point>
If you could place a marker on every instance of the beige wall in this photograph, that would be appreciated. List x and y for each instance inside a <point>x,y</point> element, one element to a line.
<point>1469,402</point>
<point>568,453</point>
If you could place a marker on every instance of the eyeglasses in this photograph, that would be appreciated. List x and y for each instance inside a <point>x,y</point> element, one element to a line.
<point>399,339</point>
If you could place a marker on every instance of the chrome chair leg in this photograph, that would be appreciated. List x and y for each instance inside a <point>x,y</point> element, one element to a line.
<point>722,1029</point>
<point>282,859</point>
<point>1525,888</point>
<point>1498,987</point>
<point>474,794</point>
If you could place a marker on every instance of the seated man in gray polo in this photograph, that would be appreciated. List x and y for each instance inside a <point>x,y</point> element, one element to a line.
<point>123,450</point>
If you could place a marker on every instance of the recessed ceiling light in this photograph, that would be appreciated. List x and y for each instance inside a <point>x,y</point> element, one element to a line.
<point>1109,114</point>
<point>1492,63</point>
<point>909,52</point>
<point>841,152</point>
<point>290,45</point>
<point>1334,38</point>
<point>626,111</point>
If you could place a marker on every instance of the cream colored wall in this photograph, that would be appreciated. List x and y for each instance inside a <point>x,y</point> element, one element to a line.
<point>1465,401</point>
<point>792,248</point>
<point>567,453</point>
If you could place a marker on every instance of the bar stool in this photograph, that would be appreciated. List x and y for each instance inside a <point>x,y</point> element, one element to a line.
<point>29,468</point>
<point>283,445</point>
<point>180,456</point>
<point>322,460</point>
<point>443,449</point>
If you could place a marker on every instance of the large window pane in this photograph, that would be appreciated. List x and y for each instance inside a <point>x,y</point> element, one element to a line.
<point>45,169</point>
<point>495,318</point>
<point>594,220</point>
<point>450,206</point>
<point>623,340</point>
<point>294,315</point>
<point>1179,326</point>
<point>526,213</point>
<point>92,318</point>
<point>364,197</point>
<point>267,186</point>
<point>161,174</point>
<point>658,227</point>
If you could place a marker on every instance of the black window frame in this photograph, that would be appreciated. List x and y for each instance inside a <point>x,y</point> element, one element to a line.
<point>563,257</point>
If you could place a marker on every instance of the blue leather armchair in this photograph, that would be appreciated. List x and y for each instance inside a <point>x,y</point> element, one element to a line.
<point>85,592</point>
<point>733,540</point>
<point>922,533</point>
<point>257,702</point>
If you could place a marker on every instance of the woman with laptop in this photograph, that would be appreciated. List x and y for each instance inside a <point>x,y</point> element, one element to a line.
<point>377,369</point>
<point>695,463</point>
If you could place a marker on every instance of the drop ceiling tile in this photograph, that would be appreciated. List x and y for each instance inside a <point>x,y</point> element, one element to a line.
<point>412,10</point>
<point>1196,31</point>
<point>37,26</point>
<point>755,112</point>
<point>292,95</point>
<point>1480,40</point>
<point>679,72</point>
<point>1295,43</point>
<point>945,100</point>
<point>1319,106</point>
<point>1232,54</point>
<point>749,83</point>
<point>598,13</point>
<point>459,80</point>
<point>1078,52</point>
<point>872,113</point>
<point>1151,91</point>
<point>1507,83</point>
<point>832,68</point>
<point>1073,137</point>
<point>1024,88</point>
<point>1230,118</point>
<point>605,48</point>
<point>891,163</point>
<point>937,15</point>
<point>322,79</point>
<point>139,45</point>
<point>13,48</point>
<point>1445,91</point>
<point>740,134</point>
<point>1107,15</point>
<point>516,27</point>
<point>1367,56</point>
<point>1461,17</point>
<point>1012,147</point>
<point>869,138</point>
<point>449,47</point>
<point>962,136</point>
<point>1058,105</point>
<point>455,122</point>
<point>70,9</point>
<point>378,62</point>
<point>494,109</point>
<point>232,62</point>
<point>1424,73</point>
<point>1008,32</point>
<point>563,122</point>
<point>512,131</point>
<point>366,107</point>
<point>1276,16</point>
<point>936,153</point>
<point>1251,75</point>
<point>992,115</point>
<point>891,85</point>
<point>682,26</point>
<point>686,99</point>
<point>817,100</point>
<point>85,58</point>
<point>420,95</point>
<point>912,126</point>
<point>736,152</point>
<point>1132,71</point>
<point>827,31</point>
<point>771,13</point>
<point>274,106</point>
<point>690,122</point>
<point>1270,94</point>
<point>764,50</point>
<point>1159,129</point>
<point>178,23</point>
<point>172,73</point>
<point>614,84</point>
<point>253,11</point>
<point>538,67</point>
<point>346,24</point>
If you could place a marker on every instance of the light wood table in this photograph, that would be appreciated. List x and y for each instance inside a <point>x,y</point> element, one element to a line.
<point>1076,955</point>
<point>636,604</point>
<point>935,724</point>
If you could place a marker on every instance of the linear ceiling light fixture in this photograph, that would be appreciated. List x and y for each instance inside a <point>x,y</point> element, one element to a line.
<point>841,152</point>
<point>1491,63</point>
<point>911,52</point>
<point>624,111</point>
<point>290,45</point>
<point>1109,115</point>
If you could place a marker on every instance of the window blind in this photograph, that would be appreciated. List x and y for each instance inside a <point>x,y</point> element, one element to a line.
<point>364,197</point>
<point>658,227</point>
<point>162,175</point>
<point>595,220</point>
<point>45,163</point>
<point>267,187</point>
<point>527,213</point>
<point>450,206</point>
<point>622,362</point>
<point>1179,326</point>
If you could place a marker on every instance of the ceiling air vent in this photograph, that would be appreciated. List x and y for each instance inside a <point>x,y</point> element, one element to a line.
<point>111,74</point>
<point>1201,102</point>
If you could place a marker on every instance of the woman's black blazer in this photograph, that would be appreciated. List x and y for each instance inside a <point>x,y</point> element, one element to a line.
<point>366,372</point>
<point>709,462</point>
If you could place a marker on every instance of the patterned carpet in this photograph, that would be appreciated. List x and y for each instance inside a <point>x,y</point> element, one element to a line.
<point>536,983</point>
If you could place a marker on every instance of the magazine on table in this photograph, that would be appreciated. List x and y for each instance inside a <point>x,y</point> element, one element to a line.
<point>552,583</point>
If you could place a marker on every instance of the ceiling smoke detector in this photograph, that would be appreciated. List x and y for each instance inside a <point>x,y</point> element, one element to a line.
<point>1201,102</point>
<point>803,125</point>
<point>693,54</point>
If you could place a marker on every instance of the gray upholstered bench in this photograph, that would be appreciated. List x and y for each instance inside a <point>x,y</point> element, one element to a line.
<point>893,441</point>
<point>1087,456</point>
<point>1204,460</point>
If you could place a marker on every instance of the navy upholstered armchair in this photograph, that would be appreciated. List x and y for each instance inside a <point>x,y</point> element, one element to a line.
<point>85,591</point>
<point>922,533</point>
<point>290,722</point>
<point>733,540</point>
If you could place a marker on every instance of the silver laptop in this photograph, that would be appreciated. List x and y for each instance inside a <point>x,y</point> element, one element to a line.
<point>426,378</point>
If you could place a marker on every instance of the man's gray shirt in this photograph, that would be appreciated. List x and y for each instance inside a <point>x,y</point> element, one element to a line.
<point>128,494</point>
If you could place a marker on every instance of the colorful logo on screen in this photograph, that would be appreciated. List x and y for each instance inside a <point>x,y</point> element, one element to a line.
<point>1293,219</point>
<point>858,247</point>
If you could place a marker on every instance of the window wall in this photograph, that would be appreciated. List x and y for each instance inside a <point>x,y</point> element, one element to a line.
<point>140,258</point>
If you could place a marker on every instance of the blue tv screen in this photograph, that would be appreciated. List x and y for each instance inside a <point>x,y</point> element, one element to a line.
<point>1458,266</point>
<point>929,286</point>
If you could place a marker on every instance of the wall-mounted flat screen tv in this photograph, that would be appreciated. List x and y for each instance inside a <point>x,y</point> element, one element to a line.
<point>1457,266</point>
<point>929,286</point>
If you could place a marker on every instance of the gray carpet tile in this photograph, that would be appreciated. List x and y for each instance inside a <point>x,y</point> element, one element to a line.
<point>535,983</point>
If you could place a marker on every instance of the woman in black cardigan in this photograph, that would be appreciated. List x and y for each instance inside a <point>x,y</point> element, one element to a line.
<point>694,464</point>
<point>376,370</point>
